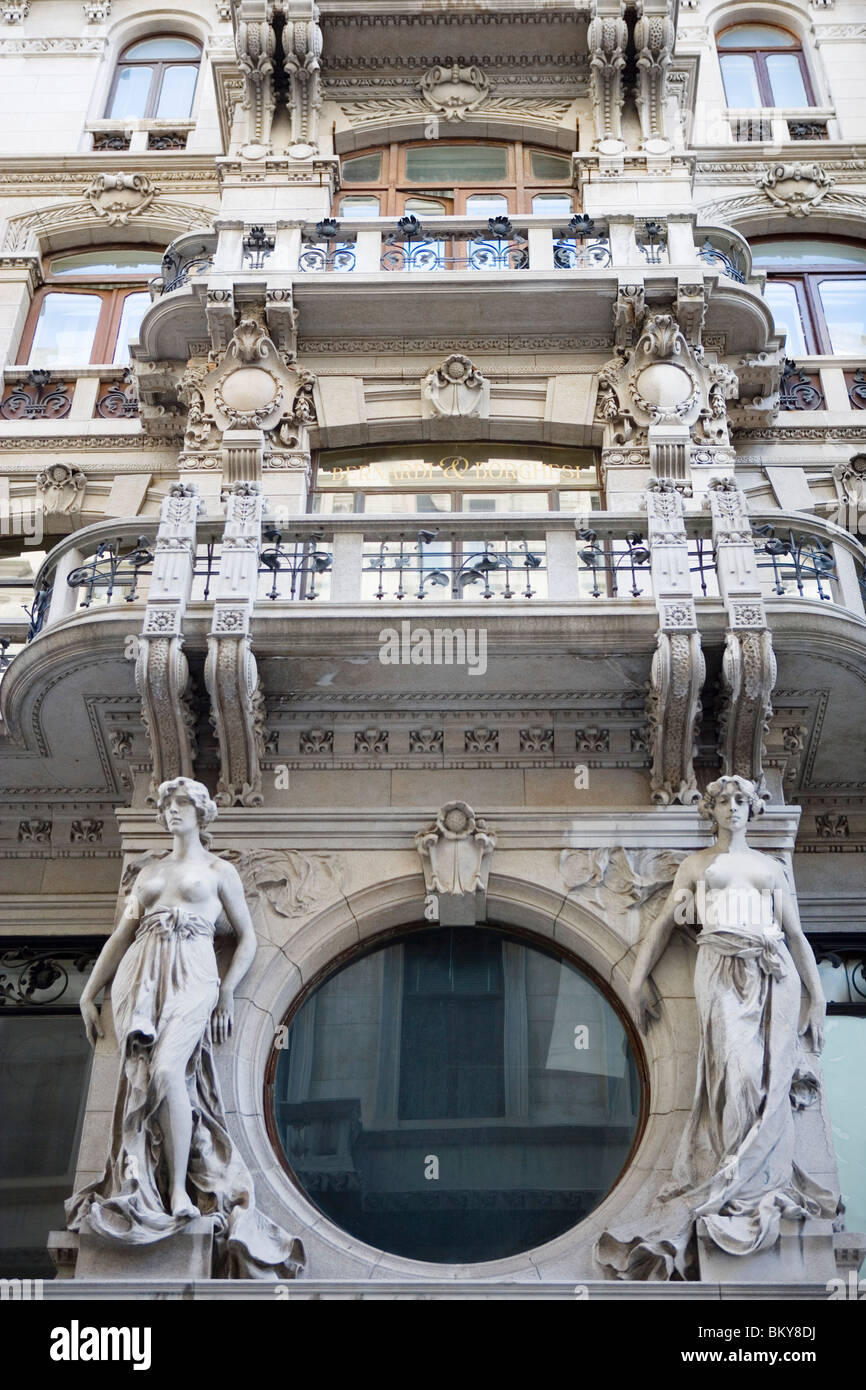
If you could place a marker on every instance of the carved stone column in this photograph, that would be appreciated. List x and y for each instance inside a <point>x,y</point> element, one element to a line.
<point>302,49</point>
<point>748,665</point>
<point>231,675</point>
<point>255,45</point>
<point>678,668</point>
<point>161,671</point>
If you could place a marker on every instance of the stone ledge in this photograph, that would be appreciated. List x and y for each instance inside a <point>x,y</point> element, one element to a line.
<point>92,1290</point>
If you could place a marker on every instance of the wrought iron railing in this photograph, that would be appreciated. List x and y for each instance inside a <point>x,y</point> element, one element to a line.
<point>38,398</point>
<point>186,259</point>
<point>496,247</point>
<point>581,246</point>
<point>729,259</point>
<point>795,563</point>
<point>616,567</point>
<point>294,566</point>
<point>428,563</point>
<point>652,241</point>
<point>111,570</point>
<point>800,390</point>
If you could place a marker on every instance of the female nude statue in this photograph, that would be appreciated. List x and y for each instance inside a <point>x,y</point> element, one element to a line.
<point>735,1164</point>
<point>171,1157</point>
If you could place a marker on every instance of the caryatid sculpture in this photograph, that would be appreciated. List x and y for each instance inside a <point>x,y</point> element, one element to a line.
<point>735,1164</point>
<point>171,1158</point>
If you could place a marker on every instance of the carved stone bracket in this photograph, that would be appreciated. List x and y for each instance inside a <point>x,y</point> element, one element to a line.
<point>677,672</point>
<point>231,675</point>
<point>673,710</point>
<point>161,670</point>
<point>455,852</point>
<point>654,42</point>
<point>607,39</point>
<point>299,85</point>
<point>749,665</point>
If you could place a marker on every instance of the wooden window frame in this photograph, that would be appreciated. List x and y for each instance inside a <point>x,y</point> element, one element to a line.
<point>113,290</point>
<point>759,58</point>
<point>159,66</point>
<point>805,284</point>
<point>393,188</point>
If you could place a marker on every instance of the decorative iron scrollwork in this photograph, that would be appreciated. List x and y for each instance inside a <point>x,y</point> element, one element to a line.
<point>34,400</point>
<point>799,390</point>
<point>40,977</point>
<point>109,569</point>
<point>119,399</point>
<point>257,247</point>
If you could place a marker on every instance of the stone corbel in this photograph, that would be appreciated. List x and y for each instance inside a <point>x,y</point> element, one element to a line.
<point>231,676</point>
<point>255,45</point>
<point>677,672</point>
<point>654,42</point>
<point>455,853</point>
<point>607,39</point>
<point>161,670</point>
<point>749,664</point>
<point>674,705</point>
<point>302,48</point>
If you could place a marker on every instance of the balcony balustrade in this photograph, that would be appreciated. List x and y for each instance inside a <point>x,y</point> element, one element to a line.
<point>596,561</point>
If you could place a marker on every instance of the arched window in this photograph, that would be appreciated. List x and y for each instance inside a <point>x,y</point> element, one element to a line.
<point>816,288</point>
<point>156,79</point>
<point>90,306</point>
<point>763,65</point>
<point>463,177</point>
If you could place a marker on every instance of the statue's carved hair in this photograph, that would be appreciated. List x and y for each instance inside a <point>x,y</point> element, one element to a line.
<point>707,803</point>
<point>205,807</point>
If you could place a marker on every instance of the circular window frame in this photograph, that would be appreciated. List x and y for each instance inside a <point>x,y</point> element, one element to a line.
<point>536,941</point>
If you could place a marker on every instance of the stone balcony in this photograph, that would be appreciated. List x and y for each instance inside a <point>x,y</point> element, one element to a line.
<point>574,264</point>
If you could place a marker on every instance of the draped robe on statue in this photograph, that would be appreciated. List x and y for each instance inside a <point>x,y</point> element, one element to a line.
<point>735,1164</point>
<point>164,991</point>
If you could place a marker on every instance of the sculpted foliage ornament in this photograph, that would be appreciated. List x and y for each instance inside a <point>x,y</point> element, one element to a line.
<point>117,197</point>
<point>60,489</point>
<point>455,855</point>
<point>457,387</point>
<point>796,188</point>
<point>455,90</point>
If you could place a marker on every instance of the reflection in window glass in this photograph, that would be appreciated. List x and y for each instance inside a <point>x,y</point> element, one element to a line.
<point>65,329</point>
<point>487,205</point>
<point>170,47</point>
<point>756,36</point>
<point>845,1080</point>
<point>741,80</point>
<point>549,166</point>
<point>505,502</point>
<point>552,204</point>
<point>131,92</point>
<point>44,1065</point>
<point>786,80</point>
<point>134,308</point>
<point>108,263</point>
<point>360,205</point>
<point>782,300</point>
<point>844,305</point>
<point>176,93</point>
<point>17,577</point>
<point>405,503</point>
<point>436,162</point>
<point>462,1043</point>
<point>806,253</point>
<point>365,168</point>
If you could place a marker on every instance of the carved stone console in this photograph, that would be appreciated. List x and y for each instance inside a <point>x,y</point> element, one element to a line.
<point>455,854</point>
<point>231,675</point>
<point>161,670</point>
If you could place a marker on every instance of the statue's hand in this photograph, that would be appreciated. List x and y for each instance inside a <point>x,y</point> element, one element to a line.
<point>221,1018</point>
<point>814,1025</point>
<point>92,1022</point>
<point>645,1005</point>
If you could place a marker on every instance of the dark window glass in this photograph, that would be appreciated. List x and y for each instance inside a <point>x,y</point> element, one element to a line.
<point>456,1095</point>
<point>44,1067</point>
<point>435,163</point>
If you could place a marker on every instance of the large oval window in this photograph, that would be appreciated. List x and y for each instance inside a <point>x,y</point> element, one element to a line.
<point>456,1095</point>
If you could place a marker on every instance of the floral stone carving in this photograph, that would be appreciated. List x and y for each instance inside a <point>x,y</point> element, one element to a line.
<point>457,387</point>
<point>117,197</point>
<point>454,91</point>
<point>796,188</point>
<point>455,855</point>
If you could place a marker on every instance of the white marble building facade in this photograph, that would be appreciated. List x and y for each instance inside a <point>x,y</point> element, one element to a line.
<point>415,410</point>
